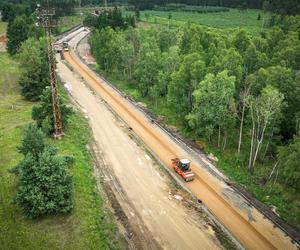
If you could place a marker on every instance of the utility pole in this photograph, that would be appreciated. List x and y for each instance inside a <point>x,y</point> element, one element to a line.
<point>45,20</point>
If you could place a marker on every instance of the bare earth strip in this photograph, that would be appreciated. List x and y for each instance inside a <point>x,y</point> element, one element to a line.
<point>246,223</point>
<point>143,190</point>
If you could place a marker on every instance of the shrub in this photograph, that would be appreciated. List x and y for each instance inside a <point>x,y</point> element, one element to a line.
<point>43,114</point>
<point>33,141</point>
<point>35,69</point>
<point>45,186</point>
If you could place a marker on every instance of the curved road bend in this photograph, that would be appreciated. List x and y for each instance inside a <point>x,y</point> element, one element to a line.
<point>247,225</point>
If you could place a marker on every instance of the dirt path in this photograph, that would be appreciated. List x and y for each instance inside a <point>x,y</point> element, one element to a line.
<point>141,187</point>
<point>246,223</point>
<point>3,42</point>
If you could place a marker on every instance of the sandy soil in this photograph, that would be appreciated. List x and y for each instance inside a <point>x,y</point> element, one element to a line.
<point>141,186</point>
<point>246,223</point>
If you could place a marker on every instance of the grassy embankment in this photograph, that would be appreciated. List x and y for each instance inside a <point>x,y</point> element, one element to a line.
<point>89,226</point>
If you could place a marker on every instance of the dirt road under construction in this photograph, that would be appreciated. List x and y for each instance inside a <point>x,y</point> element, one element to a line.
<point>245,223</point>
<point>157,215</point>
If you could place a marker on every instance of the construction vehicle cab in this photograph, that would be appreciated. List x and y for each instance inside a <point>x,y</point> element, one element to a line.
<point>66,46</point>
<point>182,167</point>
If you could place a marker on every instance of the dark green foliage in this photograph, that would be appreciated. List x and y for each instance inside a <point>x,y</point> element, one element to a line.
<point>109,18</point>
<point>213,101</point>
<point>35,76</point>
<point>148,65</point>
<point>287,7</point>
<point>12,10</point>
<point>242,41</point>
<point>190,4</point>
<point>184,82</point>
<point>22,19</point>
<point>33,141</point>
<point>17,32</point>
<point>43,115</point>
<point>289,157</point>
<point>45,187</point>
<point>190,8</point>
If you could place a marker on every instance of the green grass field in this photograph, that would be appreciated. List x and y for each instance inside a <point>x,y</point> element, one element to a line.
<point>89,226</point>
<point>234,19</point>
<point>68,22</point>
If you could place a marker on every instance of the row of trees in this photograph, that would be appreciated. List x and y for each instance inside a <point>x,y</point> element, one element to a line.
<point>13,8</point>
<point>22,19</point>
<point>289,7</point>
<point>112,18</point>
<point>45,185</point>
<point>217,87</point>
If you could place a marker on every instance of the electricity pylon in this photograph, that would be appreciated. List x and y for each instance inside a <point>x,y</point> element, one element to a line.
<point>45,20</point>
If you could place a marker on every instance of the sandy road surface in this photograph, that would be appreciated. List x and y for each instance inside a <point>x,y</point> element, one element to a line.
<point>246,223</point>
<point>171,225</point>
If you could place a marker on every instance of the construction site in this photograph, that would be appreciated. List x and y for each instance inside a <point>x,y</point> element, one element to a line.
<point>150,185</point>
<point>210,191</point>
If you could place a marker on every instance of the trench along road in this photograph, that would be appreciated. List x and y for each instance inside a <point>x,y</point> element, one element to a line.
<point>248,226</point>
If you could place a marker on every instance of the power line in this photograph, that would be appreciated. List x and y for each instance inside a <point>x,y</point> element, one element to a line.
<point>45,20</point>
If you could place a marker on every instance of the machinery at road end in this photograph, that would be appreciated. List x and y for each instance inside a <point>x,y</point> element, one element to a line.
<point>182,167</point>
<point>65,46</point>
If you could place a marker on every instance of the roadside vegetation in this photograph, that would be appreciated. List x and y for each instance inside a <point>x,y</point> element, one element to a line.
<point>236,96</point>
<point>88,225</point>
<point>49,198</point>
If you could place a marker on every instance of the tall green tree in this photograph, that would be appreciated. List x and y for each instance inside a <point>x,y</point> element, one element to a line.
<point>147,66</point>
<point>213,105</point>
<point>282,79</point>
<point>184,81</point>
<point>45,186</point>
<point>35,69</point>
<point>254,59</point>
<point>241,41</point>
<point>171,63</point>
<point>265,110</point>
<point>230,60</point>
<point>17,32</point>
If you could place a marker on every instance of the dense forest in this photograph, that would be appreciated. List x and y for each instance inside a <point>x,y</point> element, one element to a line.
<point>289,7</point>
<point>238,92</point>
